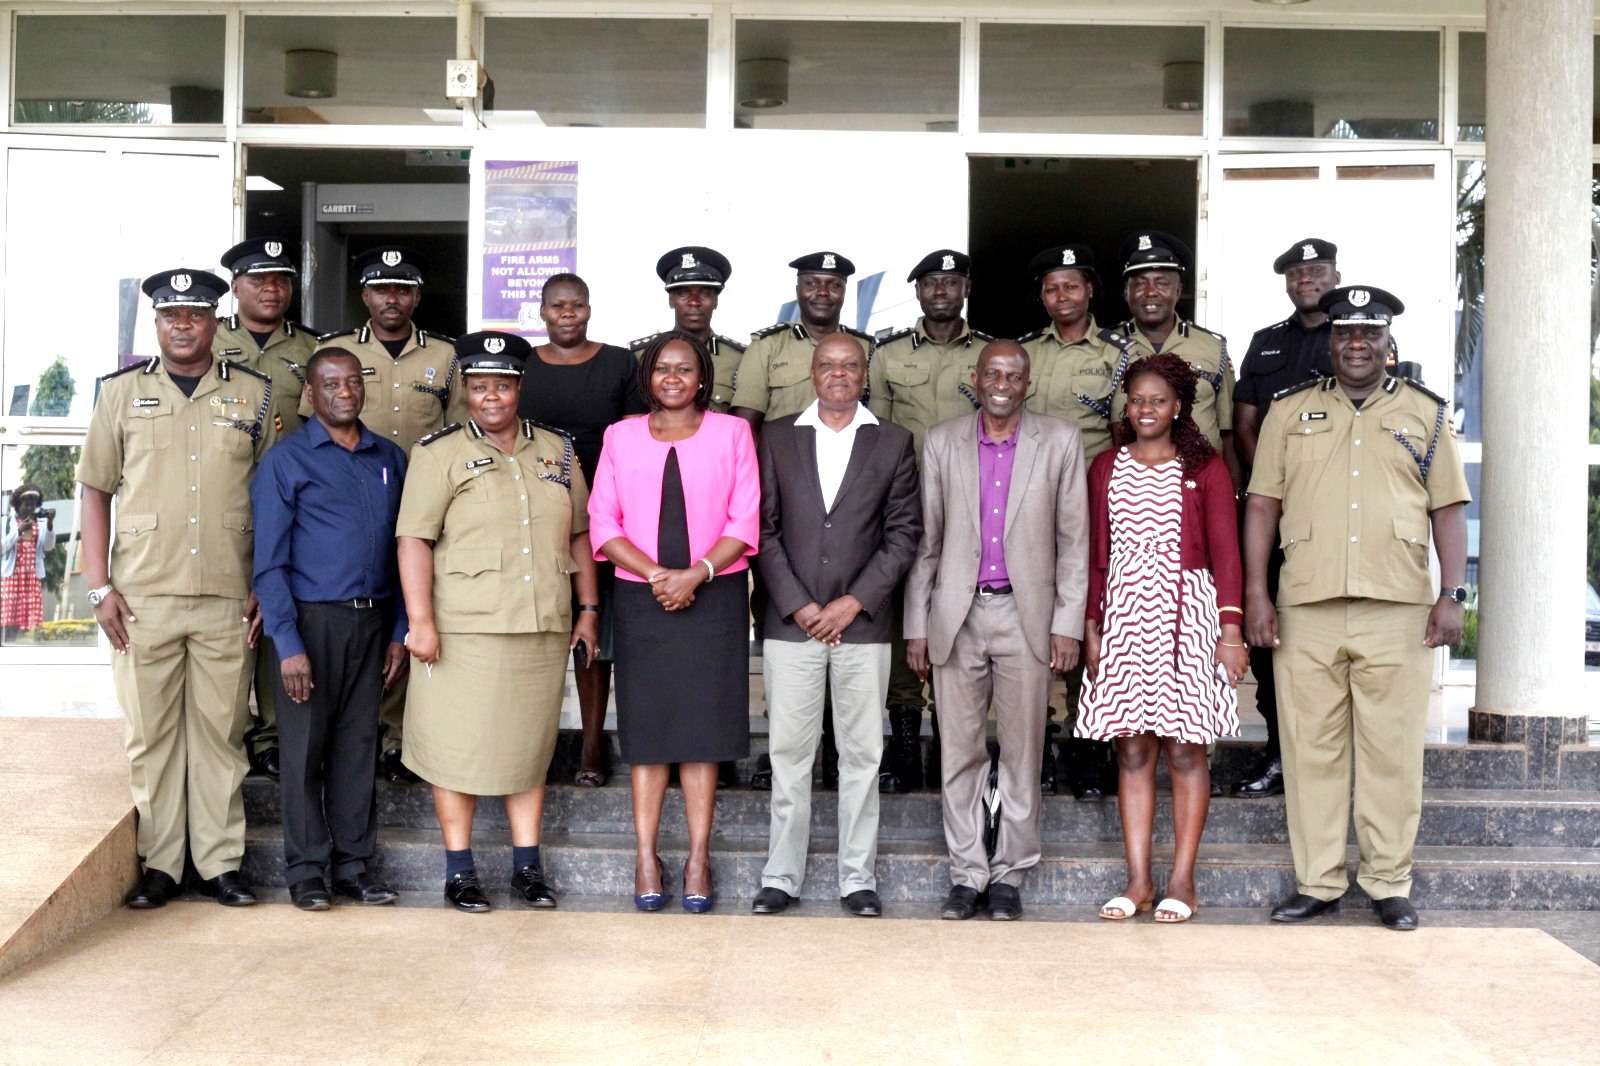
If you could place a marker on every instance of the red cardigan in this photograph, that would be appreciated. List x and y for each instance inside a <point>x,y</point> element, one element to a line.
<point>1209,539</point>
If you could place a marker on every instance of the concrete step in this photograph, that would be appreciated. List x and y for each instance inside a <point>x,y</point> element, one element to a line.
<point>1450,817</point>
<point>1227,875</point>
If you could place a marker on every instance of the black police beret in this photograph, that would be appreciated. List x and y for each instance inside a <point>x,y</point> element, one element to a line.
<point>260,255</point>
<point>944,261</point>
<point>824,263</point>
<point>492,352</point>
<point>1152,250</point>
<point>1063,257</point>
<point>694,265</point>
<point>389,265</point>
<point>184,287</point>
<point>1310,250</point>
<point>1351,305</point>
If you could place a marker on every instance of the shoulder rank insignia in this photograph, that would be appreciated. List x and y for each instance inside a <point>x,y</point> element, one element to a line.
<point>438,434</point>
<point>637,345</point>
<point>323,338</point>
<point>226,365</point>
<point>719,341</point>
<point>772,330</point>
<point>423,337</point>
<point>1420,387</point>
<point>982,336</point>
<point>859,335</point>
<point>144,366</point>
<point>889,335</point>
<point>1292,389</point>
<point>1029,338</point>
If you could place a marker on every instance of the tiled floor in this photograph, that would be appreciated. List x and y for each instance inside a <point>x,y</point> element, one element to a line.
<point>198,983</point>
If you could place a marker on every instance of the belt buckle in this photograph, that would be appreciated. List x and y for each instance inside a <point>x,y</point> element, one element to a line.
<point>985,594</point>
<point>361,604</point>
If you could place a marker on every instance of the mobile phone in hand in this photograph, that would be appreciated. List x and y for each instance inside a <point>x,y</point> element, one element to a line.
<point>580,656</point>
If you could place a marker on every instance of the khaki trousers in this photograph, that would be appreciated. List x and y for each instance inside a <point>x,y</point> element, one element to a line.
<point>797,674</point>
<point>1353,678</point>
<point>990,664</point>
<point>183,685</point>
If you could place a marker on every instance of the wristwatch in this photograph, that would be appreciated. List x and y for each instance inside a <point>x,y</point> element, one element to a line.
<point>1459,593</point>
<point>97,596</point>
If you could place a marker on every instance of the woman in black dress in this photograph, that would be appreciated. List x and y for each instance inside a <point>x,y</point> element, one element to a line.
<point>582,386</point>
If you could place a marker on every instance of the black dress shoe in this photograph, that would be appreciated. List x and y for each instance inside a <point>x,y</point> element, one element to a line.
<point>265,762</point>
<point>727,774</point>
<point>1005,902</point>
<point>1396,912</point>
<point>465,894</point>
<point>960,904</point>
<point>227,889</point>
<point>1216,789</point>
<point>363,890</point>
<point>1088,791</point>
<point>771,901</point>
<point>529,886</point>
<point>761,776</point>
<point>1264,779</point>
<point>310,895</point>
<point>863,903</point>
<point>393,770</point>
<point>1301,907</point>
<point>154,889</point>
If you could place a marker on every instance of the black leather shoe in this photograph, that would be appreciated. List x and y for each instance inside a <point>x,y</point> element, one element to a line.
<point>863,903</point>
<point>771,901</point>
<point>465,894</point>
<point>960,904</point>
<point>154,889</point>
<point>1264,779</point>
<point>529,886</point>
<point>727,774</point>
<point>1088,791</point>
<point>1216,789</point>
<point>363,890</point>
<point>265,762</point>
<point>1395,912</point>
<point>393,770</point>
<point>1005,902</point>
<point>310,895</point>
<point>761,776</point>
<point>227,889</point>
<point>1301,907</point>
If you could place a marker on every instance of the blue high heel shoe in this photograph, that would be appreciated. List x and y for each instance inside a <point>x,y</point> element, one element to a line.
<point>653,901</point>
<point>692,903</point>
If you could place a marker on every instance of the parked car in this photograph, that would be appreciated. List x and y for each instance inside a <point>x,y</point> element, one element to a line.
<point>1591,628</point>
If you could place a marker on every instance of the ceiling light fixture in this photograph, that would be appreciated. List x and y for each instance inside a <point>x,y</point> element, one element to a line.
<point>761,83</point>
<point>310,74</point>
<point>1183,86</point>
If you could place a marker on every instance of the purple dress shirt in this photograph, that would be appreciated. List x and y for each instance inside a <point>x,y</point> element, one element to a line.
<point>995,462</point>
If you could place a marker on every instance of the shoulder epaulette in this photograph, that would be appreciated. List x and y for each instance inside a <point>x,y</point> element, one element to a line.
<point>1292,389</point>
<point>635,345</point>
<point>290,328</point>
<point>224,366</point>
<point>535,424</point>
<point>1420,387</point>
<point>889,336</point>
<point>232,321</point>
<point>1202,329</point>
<point>423,336</point>
<point>323,338</point>
<point>1118,337</point>
<point>440,433</point>
<point>982,336</point>
<point>1275,326</point>
<point>729,342</point>
<point>860,335</point>
<point>147,366</point>
<point>1029,338</point>
<point>761,334</point>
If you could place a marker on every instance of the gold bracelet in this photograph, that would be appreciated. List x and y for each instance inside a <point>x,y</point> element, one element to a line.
<point>1225,644</point>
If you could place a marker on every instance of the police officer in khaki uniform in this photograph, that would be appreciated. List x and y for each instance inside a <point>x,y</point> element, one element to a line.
<point>1153,267</point>
<point>775,372</point>
<point>1352,473</point>
<point>1073,366</point>
<point>918,377</point>
<point>176,439</point>
<point>260,336</point>
<point>413,389</point>
<point>694,277</point>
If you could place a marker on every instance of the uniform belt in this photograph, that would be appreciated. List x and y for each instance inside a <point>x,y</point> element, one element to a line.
<point>994,590</point>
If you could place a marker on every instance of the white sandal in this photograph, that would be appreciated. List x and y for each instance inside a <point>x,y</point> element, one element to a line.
<point>1173,906</point>
<point>1121,908</point>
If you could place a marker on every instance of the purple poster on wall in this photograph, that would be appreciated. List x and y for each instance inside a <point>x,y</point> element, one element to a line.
<point>530,232</point>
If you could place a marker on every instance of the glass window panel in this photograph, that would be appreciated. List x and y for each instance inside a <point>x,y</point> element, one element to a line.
<point>383,71</point>
<point>847,75</point>
<point>53,611</point>
<point>1471,79</point>
<point>1470,203</point>
<point>1353,84</point>
<point>597,72</point>
<point>1091,79</point>
<point>124,69</point>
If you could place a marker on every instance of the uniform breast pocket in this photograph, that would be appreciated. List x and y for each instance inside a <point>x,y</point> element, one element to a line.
<point>1309,442</point>
<point>483,484</point>
<point>237,527</point>
<point>1412,533</point>
<point>787,373</point>
<point>234,439</point>
<point>1295,538</point>
<point>1398,429</point>
<point>421,403</point>
<point>1096,387</point>
<point>150,428</point>
<point>137,551</point>
<point>469,581</point>
<point>907,374</point>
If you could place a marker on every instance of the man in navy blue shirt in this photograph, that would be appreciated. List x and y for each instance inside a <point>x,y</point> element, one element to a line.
<point>326,576</point>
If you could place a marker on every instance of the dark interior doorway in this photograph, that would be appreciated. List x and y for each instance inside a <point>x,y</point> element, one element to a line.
<point>444,241</point>
<point>1021,205</point>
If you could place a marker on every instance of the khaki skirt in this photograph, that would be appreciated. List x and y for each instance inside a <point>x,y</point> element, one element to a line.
<point>485,721</point>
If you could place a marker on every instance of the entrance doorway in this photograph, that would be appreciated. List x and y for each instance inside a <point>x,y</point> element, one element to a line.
<point>345,201</point>
<point>1022,204</point>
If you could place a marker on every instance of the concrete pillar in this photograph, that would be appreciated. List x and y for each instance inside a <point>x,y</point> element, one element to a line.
<point>1536,386</point>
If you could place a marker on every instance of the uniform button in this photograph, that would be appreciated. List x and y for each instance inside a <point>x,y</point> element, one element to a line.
<point>192,488</point>
<point>524,521</point>
<point>516,477</point>
<point>1358,414</point>
<point>193,520</point>
<point>1352,540</point>
<point>827,525</point>
<point>1355,507</point>
<point>527,577</point>
<point>397,384</point>
<point>194,458</point>
<point>1358,442</point>
<point>397,408</point>
<point>1307,430</point>
<point>522,497</point>
<point>194,551</point>
<point>394,433</point>
<point>1413,540</point>
<point>1355,473</point>
<point>191,429</point>
<point>524,551</point>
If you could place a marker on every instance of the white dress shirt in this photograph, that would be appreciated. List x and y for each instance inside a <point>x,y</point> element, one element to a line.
<point>833,447</point>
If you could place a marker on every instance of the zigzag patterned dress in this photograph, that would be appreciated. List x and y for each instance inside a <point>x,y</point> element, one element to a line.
<point>1157,673</point>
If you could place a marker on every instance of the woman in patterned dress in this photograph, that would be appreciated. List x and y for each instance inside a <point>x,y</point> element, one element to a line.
<point>1163,647</point>
<point>22,570</point>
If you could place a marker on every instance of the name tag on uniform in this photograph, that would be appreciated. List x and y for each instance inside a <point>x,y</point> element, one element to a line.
<point>1095,371</point>
<point>473,464</point>
<point>1313,416</point>
<point>780,365</point>
<point>367,371</point>
<point>1271,351</point>
<point>147,401</point>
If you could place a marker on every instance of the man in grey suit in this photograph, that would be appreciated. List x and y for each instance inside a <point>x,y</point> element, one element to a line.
<point>994,605</point>
<point>840,518</point>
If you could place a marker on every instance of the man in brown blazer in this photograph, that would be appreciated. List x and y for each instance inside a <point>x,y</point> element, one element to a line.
<point>840,519</point>
<point>994,606</point>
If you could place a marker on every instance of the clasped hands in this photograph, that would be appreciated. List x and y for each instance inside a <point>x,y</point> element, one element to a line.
<point>674,589</point>
<point>828,624</point>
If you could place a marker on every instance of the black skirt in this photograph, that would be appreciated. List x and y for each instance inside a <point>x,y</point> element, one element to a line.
<point>683,677</point>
